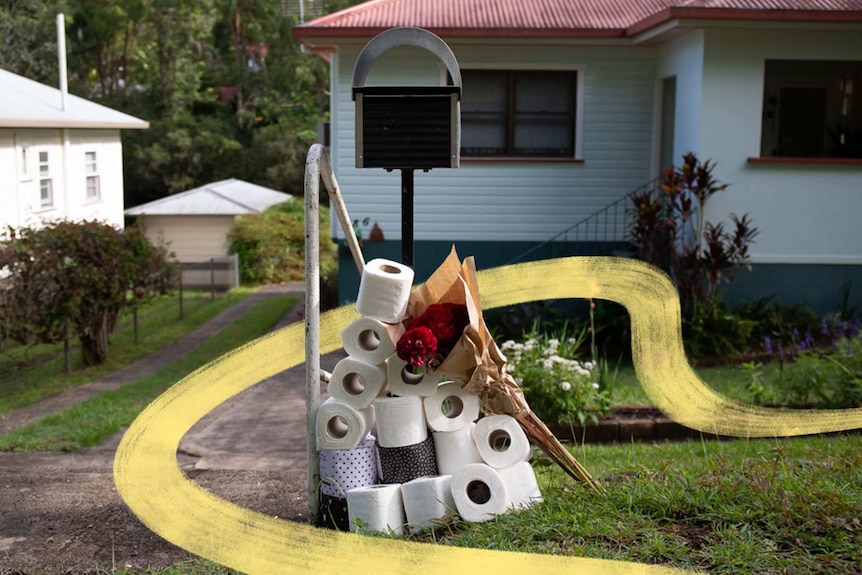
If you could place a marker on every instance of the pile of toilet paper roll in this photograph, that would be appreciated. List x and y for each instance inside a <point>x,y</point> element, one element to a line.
<point>401,450</point>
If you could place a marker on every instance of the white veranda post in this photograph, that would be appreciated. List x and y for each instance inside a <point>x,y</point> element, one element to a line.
<point>318,166</point>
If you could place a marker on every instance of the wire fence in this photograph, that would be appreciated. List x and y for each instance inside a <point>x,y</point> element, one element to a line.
<point>214,274</point>
<point>132,325</point>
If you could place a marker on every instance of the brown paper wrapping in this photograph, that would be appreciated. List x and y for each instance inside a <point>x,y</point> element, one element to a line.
<point>478,365</point>
<point>475,362</point>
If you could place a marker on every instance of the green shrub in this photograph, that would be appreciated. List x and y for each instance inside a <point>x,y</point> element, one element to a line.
<point>72,279</point>
<point>830,379</point>
<point>715,330</point>
<point>558,387</point>
<point>271,245</point>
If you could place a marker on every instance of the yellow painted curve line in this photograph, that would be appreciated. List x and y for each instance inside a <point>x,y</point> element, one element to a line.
<point>657,348</point>
<point>150,481</point>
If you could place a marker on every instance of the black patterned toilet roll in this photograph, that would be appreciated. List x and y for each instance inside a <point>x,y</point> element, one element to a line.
<point>403,464</point>
<point>333,513</point>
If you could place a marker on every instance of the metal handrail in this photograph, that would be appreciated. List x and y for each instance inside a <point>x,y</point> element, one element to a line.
<point>594,217</point>
<point>318,166</point>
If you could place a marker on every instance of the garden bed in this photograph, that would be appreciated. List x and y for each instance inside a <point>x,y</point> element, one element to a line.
<point>633,423</point>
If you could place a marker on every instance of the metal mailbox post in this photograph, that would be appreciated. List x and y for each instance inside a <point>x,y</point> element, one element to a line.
<point>407,128</point>
<point>404,128</point>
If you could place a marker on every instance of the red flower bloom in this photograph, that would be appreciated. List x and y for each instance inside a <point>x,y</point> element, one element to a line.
<point>446,320</point>
<point>432,335</point>
<point>417,346</point>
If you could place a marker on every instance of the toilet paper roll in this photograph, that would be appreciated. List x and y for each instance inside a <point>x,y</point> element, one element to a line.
<point>426,499</point>
<point>344,469</point>
<point>406,463</point>
<point>451,407</point>
<point>356,383</point>
<point>370,340</point>
<point>479,492</point>
<point>376,508</point>
<point>400,421</point>
<point>340,426</point>
<point>455,449</point>
<point>501,441</point>
<point>522,489</point>
<point>384,289</point>
<point>404,383</point>
<point>333,513</point>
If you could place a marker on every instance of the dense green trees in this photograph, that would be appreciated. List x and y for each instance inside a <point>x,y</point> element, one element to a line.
<point>226,89</point>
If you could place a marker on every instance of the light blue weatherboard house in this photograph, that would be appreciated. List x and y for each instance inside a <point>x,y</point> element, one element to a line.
<point>569,105</point>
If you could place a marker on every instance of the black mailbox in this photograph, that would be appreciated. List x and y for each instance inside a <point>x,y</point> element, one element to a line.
<point>407,127</point>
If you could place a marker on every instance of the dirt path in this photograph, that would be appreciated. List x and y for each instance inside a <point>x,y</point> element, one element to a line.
<point>60,513</point>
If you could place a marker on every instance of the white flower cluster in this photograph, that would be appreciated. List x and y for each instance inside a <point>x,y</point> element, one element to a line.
<point>548,359</point>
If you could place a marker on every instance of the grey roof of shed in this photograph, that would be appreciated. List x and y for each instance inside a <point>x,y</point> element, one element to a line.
<point>227,197</point>
<point>25,103</point>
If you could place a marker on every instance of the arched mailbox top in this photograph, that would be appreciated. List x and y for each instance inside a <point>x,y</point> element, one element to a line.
<point>405,36</point>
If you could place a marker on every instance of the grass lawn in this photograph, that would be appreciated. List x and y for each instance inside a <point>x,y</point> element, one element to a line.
<point>746,506</point>
<point>767,506</point>
<point>94,420</point>
<point>29,374</point>
<point>782,505</point>
<point>729,380</point>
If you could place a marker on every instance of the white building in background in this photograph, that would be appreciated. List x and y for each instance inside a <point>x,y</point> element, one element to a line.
<point>60,155</point>
<point>195,224</point>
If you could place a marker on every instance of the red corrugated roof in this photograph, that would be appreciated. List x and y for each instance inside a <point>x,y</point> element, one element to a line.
<point>489,18</point>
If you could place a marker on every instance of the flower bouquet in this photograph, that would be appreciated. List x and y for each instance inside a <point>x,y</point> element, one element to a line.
<point>446,333</point>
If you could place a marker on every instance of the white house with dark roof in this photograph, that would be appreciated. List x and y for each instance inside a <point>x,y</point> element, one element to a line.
<point>194,224</point>
<point>60,155</point>
<point>569,105</point>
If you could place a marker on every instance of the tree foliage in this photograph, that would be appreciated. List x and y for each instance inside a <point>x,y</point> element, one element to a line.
<point>227,90</point>
<point>28,38</point>
<point>72,279</point>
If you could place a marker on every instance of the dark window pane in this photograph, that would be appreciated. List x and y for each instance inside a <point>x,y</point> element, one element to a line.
<point>544,114</point>
<point>483,112</point>
<point>812,108</point>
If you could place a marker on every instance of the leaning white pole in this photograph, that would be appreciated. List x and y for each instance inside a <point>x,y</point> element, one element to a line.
<point>336,202</point>
<point>312,326</point>
<point>317,156</point>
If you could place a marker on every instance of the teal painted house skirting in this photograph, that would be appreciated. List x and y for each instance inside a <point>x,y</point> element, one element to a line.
<point>820,287</point>
<point>428,255</point>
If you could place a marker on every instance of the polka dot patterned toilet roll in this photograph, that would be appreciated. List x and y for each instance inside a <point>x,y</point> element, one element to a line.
<point>345,469</point>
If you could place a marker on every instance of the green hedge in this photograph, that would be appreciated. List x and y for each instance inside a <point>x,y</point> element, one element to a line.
<point>271,245</point>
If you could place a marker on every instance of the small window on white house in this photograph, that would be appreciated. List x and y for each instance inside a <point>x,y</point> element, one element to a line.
<point>46,184</point>
<point>92,171</point>
<point>812,109</point>
<point>521,113</point>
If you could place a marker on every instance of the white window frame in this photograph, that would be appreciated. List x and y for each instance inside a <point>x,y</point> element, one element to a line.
<point>91,169</point>
<point>45,178</point>
<point>580,71</point>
